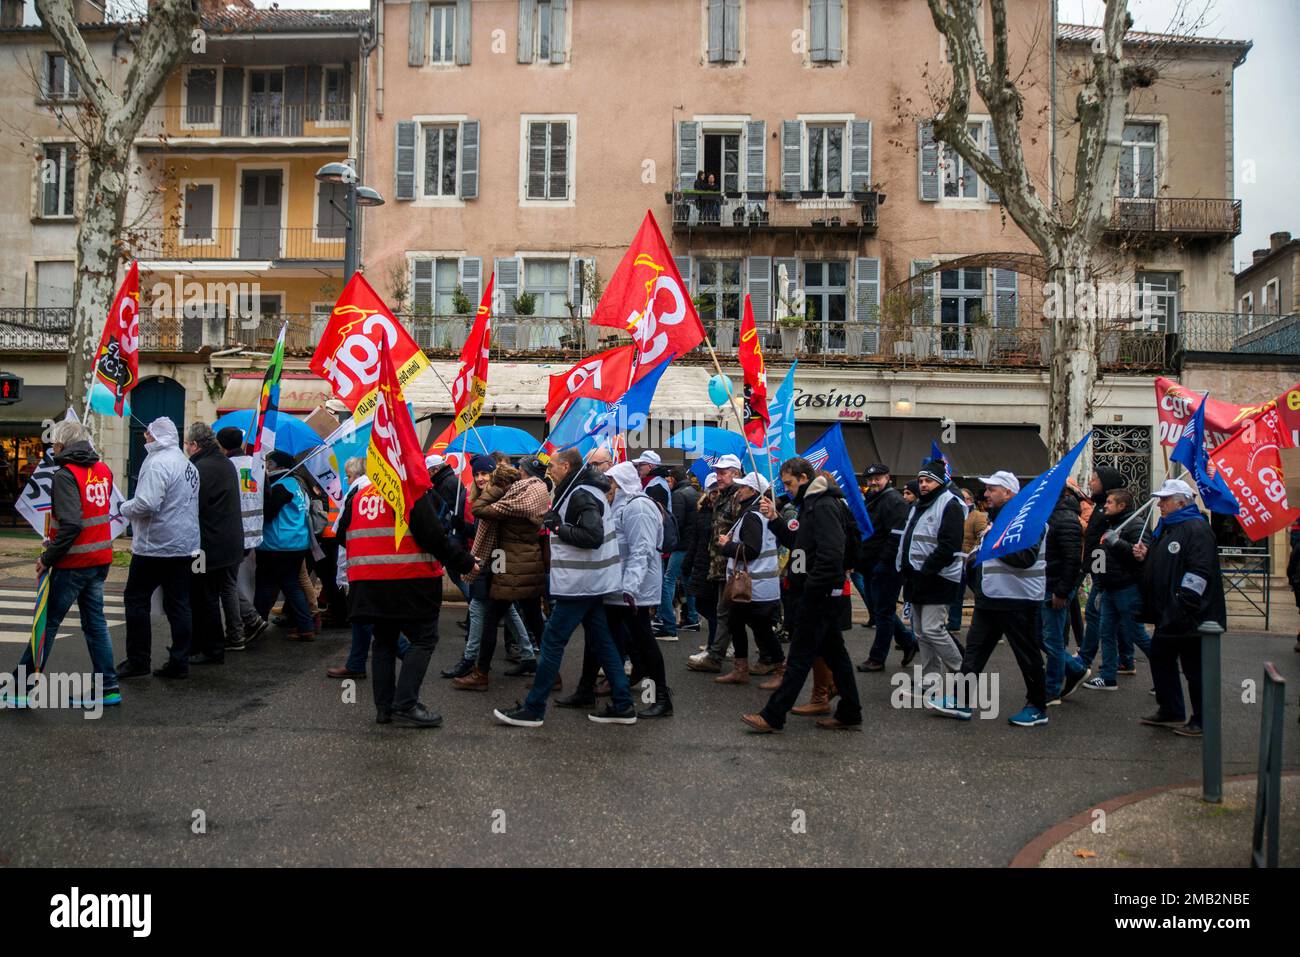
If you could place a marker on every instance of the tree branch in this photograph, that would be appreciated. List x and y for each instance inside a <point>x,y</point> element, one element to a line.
<point>1101,107</point>
<point>59,20</point>
<point>159,50</point>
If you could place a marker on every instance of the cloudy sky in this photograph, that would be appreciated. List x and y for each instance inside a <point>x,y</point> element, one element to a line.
<point>1265,107</point>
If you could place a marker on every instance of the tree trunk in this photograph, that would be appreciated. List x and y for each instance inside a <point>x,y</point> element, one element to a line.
<point>1072,369</point>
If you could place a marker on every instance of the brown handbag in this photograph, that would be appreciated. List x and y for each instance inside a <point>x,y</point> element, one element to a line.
<point>739,586</point>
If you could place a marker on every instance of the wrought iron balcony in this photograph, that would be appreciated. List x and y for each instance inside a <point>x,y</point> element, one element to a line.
<point>1189,218</point>
<point>1230,332</point>
<point>236,242</point>
<point>764,211</point>
<point>269,119</point>
<point>41,330</point>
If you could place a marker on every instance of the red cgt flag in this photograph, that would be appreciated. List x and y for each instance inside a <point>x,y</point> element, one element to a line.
<point>755,369</point>
<point>1253,468</point>
<point>604,376</point>
<point>117,361</point>
<point>469,388</point>
<point>647,298</point>
<point>348,353</point>
<point>394,461</point>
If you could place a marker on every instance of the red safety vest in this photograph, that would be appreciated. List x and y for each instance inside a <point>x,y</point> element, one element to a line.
<point>371,553</point>
<point>93,546</point>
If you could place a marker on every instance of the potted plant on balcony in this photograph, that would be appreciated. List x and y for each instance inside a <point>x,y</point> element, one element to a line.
<point>981,338</point>
<point>458,324</point>
<point>792,318</point>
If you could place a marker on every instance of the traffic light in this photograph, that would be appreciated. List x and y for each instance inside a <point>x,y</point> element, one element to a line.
<point>11,388</point>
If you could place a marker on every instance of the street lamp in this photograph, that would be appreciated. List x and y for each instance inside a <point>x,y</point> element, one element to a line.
<point>357,196</point>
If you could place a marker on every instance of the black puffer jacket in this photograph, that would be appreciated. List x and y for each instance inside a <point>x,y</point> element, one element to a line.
<point>1064,546</point>
<point>695,566</point>
<point>449,503</point>
<point>581,524</point>
<point>1111,479</point>
<point>221,530</point>
<point>888,511</point>
<point>1182,583</point>
<point>1120,568</point>
<point>817,537</point>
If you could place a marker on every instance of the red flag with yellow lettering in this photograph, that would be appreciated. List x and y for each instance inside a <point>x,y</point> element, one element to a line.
<point>469,388</point>
<point>394,462</point>
<point>755,369</point>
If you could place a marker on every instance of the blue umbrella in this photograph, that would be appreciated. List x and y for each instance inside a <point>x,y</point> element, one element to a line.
<point>486,439</point>
<point>291,435</point>
<point>704,440</point>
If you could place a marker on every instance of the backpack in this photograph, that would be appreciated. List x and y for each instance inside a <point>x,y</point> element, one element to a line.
<point>317,516</point>
<point>670,529</point>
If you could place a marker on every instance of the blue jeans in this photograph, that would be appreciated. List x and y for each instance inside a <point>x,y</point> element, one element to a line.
<point>667,617</point>
<point>566,615</point>
<point>477,614</point>
<point>885,584</point>
<point>1055,623</point>
<point>1091,627</point>
<point>362,635</point>
<point>1120,628</point>
<point>85,587</point>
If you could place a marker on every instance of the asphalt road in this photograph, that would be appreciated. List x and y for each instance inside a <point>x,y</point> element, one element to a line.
<point>287,774</point>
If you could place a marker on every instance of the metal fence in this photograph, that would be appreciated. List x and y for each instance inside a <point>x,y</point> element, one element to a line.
<point>242,242</point>
<point>1185,215</point>
<point>1246,576</point>
<point>270,117</point>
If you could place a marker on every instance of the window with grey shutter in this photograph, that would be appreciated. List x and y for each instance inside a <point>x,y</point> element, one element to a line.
<point>683,264</point>
<point>867,301</point>
<point>547,176</point>
<point>338,95</point>
<point>506,285</point>
<point>415,45</point>
<point>927,163</point>
<point>58,81</point>
<point>232,101</point>
<point>731,31</point>
<point>758,277</point>
<point>405,159</point>
<point>923,292</point>
<point>198,211</point>
<point>57,173</point>
<point>791,148</point>
<point>558,46</point>
<point>991,139</point>
<point>1006,295</point>
<point>331,204</point>
<point>717,27</point>
<point>201,97</point>
<point>469,159</point>
<point>462,32</point>
<point>860,155</point>
<point>756,156</point>
<point>826,21</point>
<point>688,153</point>
<point>295,99</point>
<point>422,287</point>
<point>471,279</point>
<point>311,112</point>
<point>524,42</point>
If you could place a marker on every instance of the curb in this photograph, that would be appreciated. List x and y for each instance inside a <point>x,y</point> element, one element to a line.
<point>1032,854</point>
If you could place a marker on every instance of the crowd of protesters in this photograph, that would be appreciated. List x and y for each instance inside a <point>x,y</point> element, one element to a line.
<point>638,553</point>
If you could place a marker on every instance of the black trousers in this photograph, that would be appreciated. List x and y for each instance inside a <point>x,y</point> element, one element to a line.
<point>760,617</point>
<point>327,570</point>
<point>393,692</point>
<point>816,635</point>
<point>530,610</point>
<point>145,575</point>
<point>623,641</point>
<point>1168,651</point>
<point>1020,627</point>
<point>205,612</point>
<point>647,659</point>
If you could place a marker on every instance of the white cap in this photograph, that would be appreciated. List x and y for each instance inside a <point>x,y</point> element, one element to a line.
<point>433,461</point>
<point>755,481</point>
<point>728,462</point>
<point>648,457</point>
<point>1003,480</point>
<point>1174,487</point>
<point>710,480</point>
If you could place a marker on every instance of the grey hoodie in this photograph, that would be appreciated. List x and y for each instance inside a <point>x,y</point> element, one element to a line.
<point>164,512</point>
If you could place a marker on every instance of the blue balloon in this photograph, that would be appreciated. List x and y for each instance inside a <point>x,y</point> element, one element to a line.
<point>720,390</point>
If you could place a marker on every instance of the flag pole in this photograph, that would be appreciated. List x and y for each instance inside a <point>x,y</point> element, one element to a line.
<point>731,398</point>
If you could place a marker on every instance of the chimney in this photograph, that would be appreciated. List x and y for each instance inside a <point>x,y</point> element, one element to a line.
<point>1277,240</point>
<point>11,13</point>
<point>1258,256</point>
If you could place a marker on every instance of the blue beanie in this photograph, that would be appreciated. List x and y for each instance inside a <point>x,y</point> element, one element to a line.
<point>482,463</point>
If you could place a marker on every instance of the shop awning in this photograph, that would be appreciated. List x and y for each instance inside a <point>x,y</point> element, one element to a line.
<point>984,449</point>
<point>857,439</point>
<point>903,444</point>
<point>300,392</point>
<point>39,402</point>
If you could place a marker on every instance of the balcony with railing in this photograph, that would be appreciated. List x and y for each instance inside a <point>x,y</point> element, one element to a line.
<point>737,212</point>
<point>1168,217</point>
<point>270,118</point>
<point>27,330</point>
<point>1230,332</point>
<point>236,242</point>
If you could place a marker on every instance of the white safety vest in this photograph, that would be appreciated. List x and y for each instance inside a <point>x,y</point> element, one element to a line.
<point>1019,584</point>
<point>583,572</point>
<point>763,570</point>
<point>251,497</point>
<point>925,539</point>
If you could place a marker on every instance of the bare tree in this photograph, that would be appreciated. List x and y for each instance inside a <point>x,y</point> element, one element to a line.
<point>1068,235</point>
<point>111,121</point>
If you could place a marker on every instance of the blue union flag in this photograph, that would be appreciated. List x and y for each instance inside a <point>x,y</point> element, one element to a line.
<point>1023,520</point>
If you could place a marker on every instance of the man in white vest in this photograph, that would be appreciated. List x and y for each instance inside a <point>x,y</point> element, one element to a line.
<point>1008,593</point>
<point>585,567</point>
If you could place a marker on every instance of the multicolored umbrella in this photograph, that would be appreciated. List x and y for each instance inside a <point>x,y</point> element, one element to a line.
<point>38,621</point>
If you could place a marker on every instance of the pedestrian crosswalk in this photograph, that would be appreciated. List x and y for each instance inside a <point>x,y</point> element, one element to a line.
<point>16,605</point>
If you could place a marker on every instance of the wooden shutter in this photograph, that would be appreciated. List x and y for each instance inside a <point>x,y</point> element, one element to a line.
<point>506,285</point>
<point>345,110</point>
<point>758,276</point>
<point>717,28</point>
<point>407,134</point>
<point>731,31</point>
<point>923,313</point>
<point>470,275</point>
<point>469,159</point>
<point>791,155</point>
<point>688,153</point>
<point>756,156</point>
<point>295,99</point>
<point>463,15</point>
<point>314,82</point>
<point>927,160</point>
<point>867,300</point>
<point>558,47</point>
<point>834,31</point>
<point>559,149</point>
<point>1006,293</point>
<point>991,138</point>
<point>860,155</point>
<point>198,211</point>
<point>524,47</point>
<point>422,287</point>
<point>415,44</point>
<point>684,269</point>
<point>232,101</point>
<point>817,16</point>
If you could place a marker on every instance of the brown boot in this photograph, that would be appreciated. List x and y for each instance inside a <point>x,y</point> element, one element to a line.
<point>774,682</point>
<point>474,681</point>
<point>820,702</point>
<point>738,675</point>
